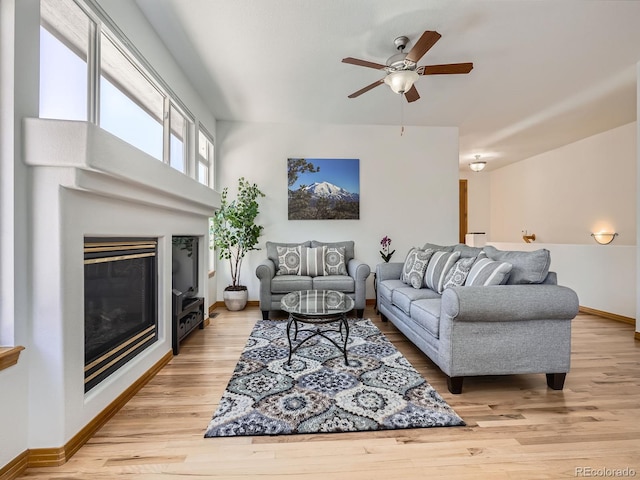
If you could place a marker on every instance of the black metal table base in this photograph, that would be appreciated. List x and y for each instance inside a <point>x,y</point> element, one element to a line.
<point>341,319</point>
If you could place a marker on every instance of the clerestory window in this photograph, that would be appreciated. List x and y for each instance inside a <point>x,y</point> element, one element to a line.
<point>87,72</point>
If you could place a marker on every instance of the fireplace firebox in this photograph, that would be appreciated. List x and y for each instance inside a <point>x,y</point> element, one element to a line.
<point>120,303</point>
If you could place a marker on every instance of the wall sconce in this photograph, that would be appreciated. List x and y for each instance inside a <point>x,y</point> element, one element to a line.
<point>477,166</point>
<point>604,238</point>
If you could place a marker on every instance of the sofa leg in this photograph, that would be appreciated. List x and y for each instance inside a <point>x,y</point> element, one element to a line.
<point>455,384</point>
<point>383,318</point>
<point>265,314</point>
<point>555,381</point>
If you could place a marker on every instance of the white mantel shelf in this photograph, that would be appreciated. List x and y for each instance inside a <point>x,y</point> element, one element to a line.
<point>91,159</point>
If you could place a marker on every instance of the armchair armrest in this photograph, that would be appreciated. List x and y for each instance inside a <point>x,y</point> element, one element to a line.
<point>510,302</point>
<point>265,272</point>
<point>388,271</point>
<point>358,270</point>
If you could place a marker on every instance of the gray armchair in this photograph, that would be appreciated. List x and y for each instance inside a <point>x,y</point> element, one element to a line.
<point>311,265</point>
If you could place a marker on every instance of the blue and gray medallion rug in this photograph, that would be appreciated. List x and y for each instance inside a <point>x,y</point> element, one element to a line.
<point>318,393</point>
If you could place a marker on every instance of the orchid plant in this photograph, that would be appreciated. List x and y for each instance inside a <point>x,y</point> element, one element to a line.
<point>384,253</point>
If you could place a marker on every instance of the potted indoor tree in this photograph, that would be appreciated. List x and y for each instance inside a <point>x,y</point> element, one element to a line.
<point>235,234</point>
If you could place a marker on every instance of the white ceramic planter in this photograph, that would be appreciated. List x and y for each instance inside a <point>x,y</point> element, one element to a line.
<point>235,300</point>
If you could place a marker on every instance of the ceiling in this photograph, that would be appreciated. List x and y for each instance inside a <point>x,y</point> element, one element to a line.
<point>546,72</point>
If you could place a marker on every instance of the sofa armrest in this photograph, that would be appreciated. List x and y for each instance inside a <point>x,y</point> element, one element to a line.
<point>388,271</point>
<point>265,272</point>
<point>509,302</point>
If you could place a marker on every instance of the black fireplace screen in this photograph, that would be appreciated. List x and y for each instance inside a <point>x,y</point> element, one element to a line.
<point>120,303</point>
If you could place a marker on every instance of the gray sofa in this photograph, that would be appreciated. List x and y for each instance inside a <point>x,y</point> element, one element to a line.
<point>311,265</point>
<point>510,317</point>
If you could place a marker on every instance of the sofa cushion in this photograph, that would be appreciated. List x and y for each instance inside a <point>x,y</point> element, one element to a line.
<point>442,248</point>
<point>441,262</point>
<point>335,261</point>
<point>528,267</point>
<point>457,275</point>
<point>488,272</point>
<point>288,260</point>
<point>426,313</point>
<point>467,252</point>
<point>403,297</point>
<point>341,283</point>
<point>349,247</point>
<point>312,261</point>
<point>417,266</point>
<point>290,283</point>
<point>386,288</point>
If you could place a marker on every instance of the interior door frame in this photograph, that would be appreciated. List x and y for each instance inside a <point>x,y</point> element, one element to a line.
<point>463,214</point>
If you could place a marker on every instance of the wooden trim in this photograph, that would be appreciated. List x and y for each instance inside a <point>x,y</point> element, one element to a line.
<point>9,356</point>
<point>637,336</point>
<point>15,467</point>
<point>610,316</point>
<point>256,303</point>
<point>250,303</point>
<point>53,457</point>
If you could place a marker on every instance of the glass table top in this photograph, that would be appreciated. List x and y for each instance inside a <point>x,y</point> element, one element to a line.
<point>316,303</point>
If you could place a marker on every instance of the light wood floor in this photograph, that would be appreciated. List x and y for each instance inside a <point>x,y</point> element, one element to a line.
<point>516,427</point>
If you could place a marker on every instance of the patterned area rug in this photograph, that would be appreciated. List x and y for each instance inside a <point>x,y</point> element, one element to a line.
<point>318,393</point>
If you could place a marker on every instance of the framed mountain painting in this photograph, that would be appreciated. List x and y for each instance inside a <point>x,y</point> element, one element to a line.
<point>323,188</point>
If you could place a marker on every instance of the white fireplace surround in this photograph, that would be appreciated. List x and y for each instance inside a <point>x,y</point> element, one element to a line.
<point>87,182</point>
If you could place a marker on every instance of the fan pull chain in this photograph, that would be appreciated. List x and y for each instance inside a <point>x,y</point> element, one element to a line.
<point>401,114</point>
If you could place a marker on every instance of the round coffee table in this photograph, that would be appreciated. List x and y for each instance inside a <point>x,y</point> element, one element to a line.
<point>315,308</point>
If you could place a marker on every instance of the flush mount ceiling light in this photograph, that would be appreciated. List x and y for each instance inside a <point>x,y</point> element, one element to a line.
<point>604,238</point>
<point>477,166</point>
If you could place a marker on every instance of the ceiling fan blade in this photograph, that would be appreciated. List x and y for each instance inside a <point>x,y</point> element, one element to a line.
<point>447,69</point>
<point>412,94</point>
<point>366,89</point>
<point>363,63</point>
<point>426,41</point>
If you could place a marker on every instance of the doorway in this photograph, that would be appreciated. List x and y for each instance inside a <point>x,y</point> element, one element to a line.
<point>463,210</point>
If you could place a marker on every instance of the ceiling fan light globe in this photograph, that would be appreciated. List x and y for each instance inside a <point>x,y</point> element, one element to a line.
<point>401,81</point>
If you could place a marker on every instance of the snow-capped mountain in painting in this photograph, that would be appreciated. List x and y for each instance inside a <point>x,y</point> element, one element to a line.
<point>330,191</point>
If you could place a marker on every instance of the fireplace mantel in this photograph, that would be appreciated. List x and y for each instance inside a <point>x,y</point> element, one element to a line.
<point>91,159</point>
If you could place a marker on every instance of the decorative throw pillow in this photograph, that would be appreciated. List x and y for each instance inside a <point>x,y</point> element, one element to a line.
<point>289,260</point>
<point>415,276</point>
<point>334,263</point>
<point>439,265</point>
<point>527,267</point>
<point>457,275</point>
<point>409,260</point>
<point>312,261</point>
<point>488,272</point>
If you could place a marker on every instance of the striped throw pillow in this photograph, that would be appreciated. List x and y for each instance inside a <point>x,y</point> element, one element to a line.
<point>488,272</point>
<point>312,261</point>
<point>439,265</point>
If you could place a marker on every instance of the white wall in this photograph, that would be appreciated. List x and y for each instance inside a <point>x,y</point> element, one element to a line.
<point>562,196</point>
<point>18,80</point>
<point>565,194</point>
<point>408,185</point>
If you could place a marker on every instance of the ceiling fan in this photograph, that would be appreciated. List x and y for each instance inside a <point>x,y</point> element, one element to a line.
<point>402,69</point>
